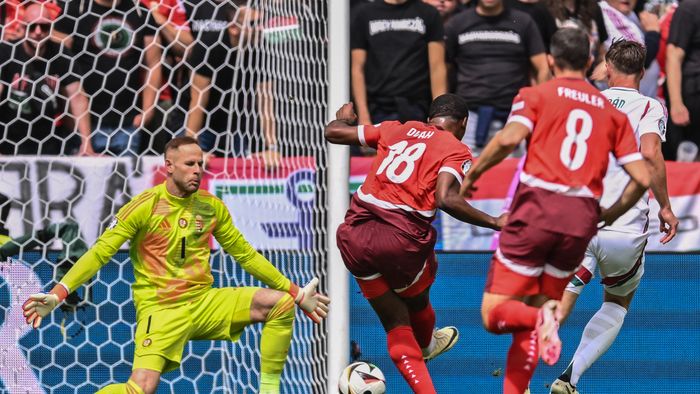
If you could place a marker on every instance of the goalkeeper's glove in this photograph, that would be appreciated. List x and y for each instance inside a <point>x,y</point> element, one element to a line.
<point>40,305</point>
<point>314,305</point>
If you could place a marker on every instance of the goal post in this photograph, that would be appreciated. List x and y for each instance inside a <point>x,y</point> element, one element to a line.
<point>338,193</point>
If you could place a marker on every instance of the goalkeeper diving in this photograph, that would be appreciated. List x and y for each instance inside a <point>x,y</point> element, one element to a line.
<point>170,227</point>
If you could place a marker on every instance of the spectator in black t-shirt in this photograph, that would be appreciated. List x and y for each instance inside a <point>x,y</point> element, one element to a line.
<point>227,77</point>
<point>585,15</point>
<point>494,49</point>
<point>398,60</point>
<point>36,78</point>
<point>540,14</point>
<point>115,43</point>
<point>683,77</point>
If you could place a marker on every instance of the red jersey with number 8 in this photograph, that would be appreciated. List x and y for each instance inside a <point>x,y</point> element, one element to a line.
<point>573,129</point>
<point>409,158</point>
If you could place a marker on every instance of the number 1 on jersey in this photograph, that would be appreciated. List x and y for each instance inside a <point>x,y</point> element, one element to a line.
<point>400,153</point>
<point>576,137</point>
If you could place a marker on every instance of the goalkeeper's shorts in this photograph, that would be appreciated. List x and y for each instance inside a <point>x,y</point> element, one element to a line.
<point>219,314</point>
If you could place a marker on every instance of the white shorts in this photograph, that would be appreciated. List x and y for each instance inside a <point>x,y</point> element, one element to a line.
<point>620,259</point>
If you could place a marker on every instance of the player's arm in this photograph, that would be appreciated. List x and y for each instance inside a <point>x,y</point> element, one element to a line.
<point>500,146</point>
<point>343,129</point>
<point>650,146</point>
<point>127,223</point>
<point>314,304</point>
<point>634,190</point>
<point>449,200</point>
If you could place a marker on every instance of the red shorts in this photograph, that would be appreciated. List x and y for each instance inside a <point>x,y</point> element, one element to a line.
<point>381,258</point>
<point>531,260</point>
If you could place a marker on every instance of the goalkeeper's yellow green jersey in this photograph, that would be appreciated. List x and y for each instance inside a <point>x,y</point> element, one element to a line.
<point>170,248</point>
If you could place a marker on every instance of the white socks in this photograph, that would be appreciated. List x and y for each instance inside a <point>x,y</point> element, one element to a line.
<point>599,334</point>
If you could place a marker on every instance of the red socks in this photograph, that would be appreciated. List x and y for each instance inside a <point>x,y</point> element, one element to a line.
<point>522,361</point>
<point>423,323</point>
<point>512,316</point>
<point>408,358</point>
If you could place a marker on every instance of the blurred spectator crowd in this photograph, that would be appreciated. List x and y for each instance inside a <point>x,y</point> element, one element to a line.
<point>406,52</point>
<point>247,78</point>
<point>121,78</point>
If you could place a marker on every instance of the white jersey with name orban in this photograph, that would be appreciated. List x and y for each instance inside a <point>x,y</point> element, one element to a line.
<point>646,115</point>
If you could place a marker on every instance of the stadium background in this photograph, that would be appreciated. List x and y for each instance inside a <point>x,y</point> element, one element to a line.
<point>84,349</point>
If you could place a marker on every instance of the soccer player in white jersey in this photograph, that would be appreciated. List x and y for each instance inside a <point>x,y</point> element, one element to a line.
<point>618,249</point>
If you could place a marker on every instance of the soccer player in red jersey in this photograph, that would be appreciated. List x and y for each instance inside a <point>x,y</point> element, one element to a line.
<point>571,130</point>
<point>387,239</point>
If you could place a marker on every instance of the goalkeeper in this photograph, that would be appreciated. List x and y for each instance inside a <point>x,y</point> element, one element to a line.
<point>169,227</point>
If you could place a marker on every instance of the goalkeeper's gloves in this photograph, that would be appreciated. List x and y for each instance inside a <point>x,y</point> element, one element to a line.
<point>40,305</point>
<point>314,305</point>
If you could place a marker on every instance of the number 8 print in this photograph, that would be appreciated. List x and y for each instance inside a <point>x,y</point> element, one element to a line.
<point>400,153</point>
<point>576,137</point>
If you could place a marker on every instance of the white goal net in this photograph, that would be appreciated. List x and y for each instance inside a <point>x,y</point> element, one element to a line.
<point>90,91</point>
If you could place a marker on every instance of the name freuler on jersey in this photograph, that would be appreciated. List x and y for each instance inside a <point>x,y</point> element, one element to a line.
<point>579,96</point>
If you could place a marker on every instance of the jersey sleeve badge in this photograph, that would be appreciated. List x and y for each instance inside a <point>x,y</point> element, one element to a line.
<point>466,165</point>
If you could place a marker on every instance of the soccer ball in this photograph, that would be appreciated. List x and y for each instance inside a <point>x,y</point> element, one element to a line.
<point>362,378</point>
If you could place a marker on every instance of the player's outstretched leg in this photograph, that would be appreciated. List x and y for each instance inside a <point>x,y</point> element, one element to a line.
<point>276,337</point>
<point>597,337</point>
<point>401,342</point>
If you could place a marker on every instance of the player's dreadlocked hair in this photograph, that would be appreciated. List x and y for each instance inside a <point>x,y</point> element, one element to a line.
<point>450,105</point>
<point>571,49</point>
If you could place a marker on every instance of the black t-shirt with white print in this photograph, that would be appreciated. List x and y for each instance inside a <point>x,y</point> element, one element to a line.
<point>685,34</point>
<point>492,55</point>
<point>109,45</point>
<point>396,39</point>
<point>32,97</point>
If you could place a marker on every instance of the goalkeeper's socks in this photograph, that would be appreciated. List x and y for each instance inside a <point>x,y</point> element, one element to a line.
<point>269,383</point>
<point>423,324</point>
<point>599,334</point>
<point>512,316</point>
<point>274,344</point>
<point>408,358</point>
<point>521,362</point>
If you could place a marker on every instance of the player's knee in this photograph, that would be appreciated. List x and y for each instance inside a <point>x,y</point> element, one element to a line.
<point>486,319</point>
<point>282,311</point>
<point>144,380</point>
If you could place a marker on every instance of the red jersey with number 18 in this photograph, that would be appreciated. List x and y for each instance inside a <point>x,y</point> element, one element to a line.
<point>573,129</point>
<point>404,173</point>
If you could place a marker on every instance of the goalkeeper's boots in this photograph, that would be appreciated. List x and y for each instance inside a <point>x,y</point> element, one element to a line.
<point>548,341</point>
<point>445,339</point>
<point>562,387</point>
